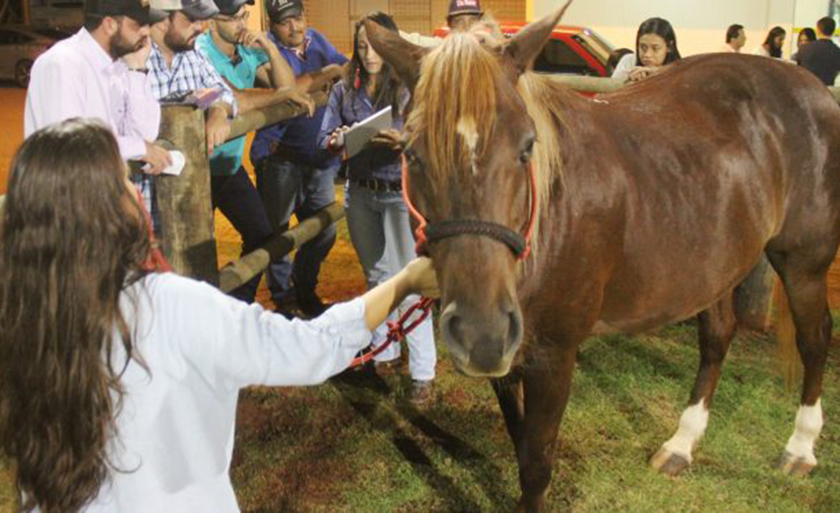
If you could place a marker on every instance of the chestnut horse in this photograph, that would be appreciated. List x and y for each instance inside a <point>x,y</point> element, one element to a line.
<point>654,203</point>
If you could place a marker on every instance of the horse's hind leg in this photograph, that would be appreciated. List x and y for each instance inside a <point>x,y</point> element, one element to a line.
<point>805,285</point>
<point>716,328</point>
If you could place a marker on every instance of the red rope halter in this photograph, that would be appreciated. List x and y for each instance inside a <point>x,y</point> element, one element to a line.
<point>398,330</point>
<point>422,225</point>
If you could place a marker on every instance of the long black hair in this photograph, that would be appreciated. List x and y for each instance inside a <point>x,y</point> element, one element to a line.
<point>770,42</point>
<point>662,29</point>
<point>388,86</point>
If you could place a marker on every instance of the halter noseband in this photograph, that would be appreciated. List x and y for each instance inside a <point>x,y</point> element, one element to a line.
<point>427,233</point>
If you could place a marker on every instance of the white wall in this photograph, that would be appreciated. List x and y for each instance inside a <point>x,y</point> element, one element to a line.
<point>700,24</point>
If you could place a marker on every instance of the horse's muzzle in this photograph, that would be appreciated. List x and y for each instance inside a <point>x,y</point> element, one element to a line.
<point>481,344</point>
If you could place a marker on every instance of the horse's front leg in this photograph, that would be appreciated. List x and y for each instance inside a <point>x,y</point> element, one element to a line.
<point>510,394</point>
<point>546,386</point>
<point>716,326</point>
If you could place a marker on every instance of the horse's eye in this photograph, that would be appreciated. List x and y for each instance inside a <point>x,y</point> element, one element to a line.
<point>526,154</point>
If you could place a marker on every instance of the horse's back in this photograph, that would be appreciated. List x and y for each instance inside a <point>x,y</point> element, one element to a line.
<point>720,157</point>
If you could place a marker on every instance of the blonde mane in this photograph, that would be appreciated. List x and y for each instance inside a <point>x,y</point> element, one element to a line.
<point>455,109</point>
<point>454,99</point>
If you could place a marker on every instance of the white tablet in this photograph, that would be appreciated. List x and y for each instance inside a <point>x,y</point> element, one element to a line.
<point>363,131</point>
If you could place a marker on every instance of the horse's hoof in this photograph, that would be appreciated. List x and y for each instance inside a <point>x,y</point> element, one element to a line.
<point>669,463</point>
<point>795,466</point>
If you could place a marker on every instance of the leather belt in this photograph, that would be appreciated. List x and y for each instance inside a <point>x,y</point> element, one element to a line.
<point>378,185</point>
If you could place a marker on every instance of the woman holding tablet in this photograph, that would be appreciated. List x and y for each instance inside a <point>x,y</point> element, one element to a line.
<point>377,217</point>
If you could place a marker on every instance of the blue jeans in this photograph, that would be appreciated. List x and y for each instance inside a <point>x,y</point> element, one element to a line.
<point>381,235</point>
<point>239,201</point>
<point>290,188</point>
<point>145,185</point>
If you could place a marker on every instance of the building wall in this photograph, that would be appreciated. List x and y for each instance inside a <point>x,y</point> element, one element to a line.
<point>700,25</point>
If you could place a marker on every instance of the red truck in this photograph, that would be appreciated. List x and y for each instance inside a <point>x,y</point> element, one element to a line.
<point>572,50</point>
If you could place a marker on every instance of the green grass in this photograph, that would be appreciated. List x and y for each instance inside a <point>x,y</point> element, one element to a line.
<point>355,444</point>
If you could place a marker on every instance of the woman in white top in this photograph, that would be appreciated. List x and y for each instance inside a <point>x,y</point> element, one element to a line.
<point>118,387</point>
<point>656,46</point>
<point>772,45</point>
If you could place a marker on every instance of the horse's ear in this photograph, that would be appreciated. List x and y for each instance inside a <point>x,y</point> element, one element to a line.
<point>405,57</point>
<point>524,47</point>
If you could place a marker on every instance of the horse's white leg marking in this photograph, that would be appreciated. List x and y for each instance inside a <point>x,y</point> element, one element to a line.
<point>807,427</point>
<point>692,426</point>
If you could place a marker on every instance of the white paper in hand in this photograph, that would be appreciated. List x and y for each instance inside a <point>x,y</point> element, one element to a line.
<point>365,130</point>
<point>178,162</point>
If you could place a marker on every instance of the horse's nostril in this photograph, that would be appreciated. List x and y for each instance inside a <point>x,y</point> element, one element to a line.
<point>453,325</point>
<point>456,329</point>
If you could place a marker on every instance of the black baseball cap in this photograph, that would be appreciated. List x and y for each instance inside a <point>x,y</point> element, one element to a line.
<point>199,9</point>
<point>278,10</point>
<point>231,7</point>
<point>458,7</point>
<point>137,10</point>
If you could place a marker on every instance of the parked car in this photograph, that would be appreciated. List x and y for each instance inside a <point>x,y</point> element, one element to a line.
<point>573,50</point>
<point>20,46</point>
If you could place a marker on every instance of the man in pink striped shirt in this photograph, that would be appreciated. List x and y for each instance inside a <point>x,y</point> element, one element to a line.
<point>100,72</point>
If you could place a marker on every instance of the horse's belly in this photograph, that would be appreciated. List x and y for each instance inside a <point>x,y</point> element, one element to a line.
<point>649,308</point>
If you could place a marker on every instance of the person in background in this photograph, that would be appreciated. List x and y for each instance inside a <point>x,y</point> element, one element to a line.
<point>101,72</point>
<point>244,59</point>
<point>656,46</point>
<point>772,45</point>
<point>294,175</point>
<point>736,38</point>
<point>822,57</point>
<point>806,35</point>
<point>176,67</point>
<point>119,387</point>
<point>461,16</point>
<point>377,216</point>
<point>615,57</point>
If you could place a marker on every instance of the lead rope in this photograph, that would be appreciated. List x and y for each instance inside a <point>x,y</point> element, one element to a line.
<point>397,331</point>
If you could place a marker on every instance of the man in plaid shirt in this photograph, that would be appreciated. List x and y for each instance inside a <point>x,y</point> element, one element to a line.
<point>176,66</point>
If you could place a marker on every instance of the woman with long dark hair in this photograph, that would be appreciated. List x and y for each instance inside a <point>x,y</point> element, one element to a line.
<point>377,217</point>
<point>772,45</point>
<point>118,387</point>
<point>656,46</point>
<point>806,35</point>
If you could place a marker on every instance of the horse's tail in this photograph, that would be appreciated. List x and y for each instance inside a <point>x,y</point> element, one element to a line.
<point>789,361</point>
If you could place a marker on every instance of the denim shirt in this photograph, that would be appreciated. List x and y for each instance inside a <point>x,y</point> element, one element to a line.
<point>299,134</point>
<point>350,106</point>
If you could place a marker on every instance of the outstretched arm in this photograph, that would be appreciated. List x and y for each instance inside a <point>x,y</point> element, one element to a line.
<point>418,277</point>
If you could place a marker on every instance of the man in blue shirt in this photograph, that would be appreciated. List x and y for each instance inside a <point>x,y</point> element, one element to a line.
<point>294,175</point>
<point>244,58</point>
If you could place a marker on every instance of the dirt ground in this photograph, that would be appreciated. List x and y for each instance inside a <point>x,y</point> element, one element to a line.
<point>341,275</point>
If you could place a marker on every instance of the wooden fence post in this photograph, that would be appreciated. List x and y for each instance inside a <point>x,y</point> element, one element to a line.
<point>183,201</point>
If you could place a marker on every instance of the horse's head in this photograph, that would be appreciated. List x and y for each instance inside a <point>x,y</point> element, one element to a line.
<point>469,141</point>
